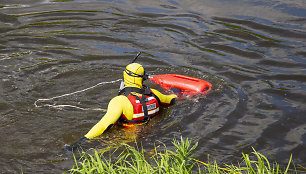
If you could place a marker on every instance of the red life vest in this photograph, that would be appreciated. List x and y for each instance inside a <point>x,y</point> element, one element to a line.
<point>142,114</point>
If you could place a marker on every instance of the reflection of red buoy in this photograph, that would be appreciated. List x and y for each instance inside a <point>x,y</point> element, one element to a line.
<point>188,85</point>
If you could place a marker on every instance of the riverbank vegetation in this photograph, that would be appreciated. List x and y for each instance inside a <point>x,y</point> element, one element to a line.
<point>180,160</point>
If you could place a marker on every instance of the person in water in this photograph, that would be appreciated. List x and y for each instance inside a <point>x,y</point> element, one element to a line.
<point>136,104</point>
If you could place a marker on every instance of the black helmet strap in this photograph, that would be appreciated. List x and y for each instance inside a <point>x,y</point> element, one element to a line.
<point>130,73</point>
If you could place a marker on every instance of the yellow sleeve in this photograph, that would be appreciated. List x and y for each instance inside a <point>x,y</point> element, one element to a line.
<point>164,99</point>
<point>114,111</point>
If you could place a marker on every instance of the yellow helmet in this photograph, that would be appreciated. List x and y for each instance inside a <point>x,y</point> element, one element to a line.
<point>133,75</point>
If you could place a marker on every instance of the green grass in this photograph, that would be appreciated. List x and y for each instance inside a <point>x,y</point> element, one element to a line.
<point>180,160</point>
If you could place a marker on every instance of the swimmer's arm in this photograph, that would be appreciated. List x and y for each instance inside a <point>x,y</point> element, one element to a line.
<point>165,99</point>
<point>113,113</point>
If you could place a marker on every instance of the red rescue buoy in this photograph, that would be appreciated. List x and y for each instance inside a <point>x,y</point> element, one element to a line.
<point>187,85</point>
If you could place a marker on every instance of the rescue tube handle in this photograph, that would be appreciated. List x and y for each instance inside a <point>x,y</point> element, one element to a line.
<point>187,78</point>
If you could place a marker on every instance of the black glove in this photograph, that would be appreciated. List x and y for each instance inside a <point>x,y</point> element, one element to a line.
<point>76,145</point>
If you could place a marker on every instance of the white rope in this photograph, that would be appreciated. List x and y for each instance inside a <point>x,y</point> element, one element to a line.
<point>72,106</point>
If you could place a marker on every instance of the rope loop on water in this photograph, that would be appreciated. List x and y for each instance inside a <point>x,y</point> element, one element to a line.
<point>72,93</point>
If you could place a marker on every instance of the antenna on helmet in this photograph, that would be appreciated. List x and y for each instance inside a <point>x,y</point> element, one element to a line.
<point>135,58</point>
<point>138,54</point>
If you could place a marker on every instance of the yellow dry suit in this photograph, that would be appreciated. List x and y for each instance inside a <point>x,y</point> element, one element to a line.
<point>135,104</point>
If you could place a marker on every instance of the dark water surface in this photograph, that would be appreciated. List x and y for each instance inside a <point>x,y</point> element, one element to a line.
<point>253,52</point>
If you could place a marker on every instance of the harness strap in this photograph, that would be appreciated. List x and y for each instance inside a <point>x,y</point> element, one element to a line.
<point>145,111</point>
<point>143,100</point>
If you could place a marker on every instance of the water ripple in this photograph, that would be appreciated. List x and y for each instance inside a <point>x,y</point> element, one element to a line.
<point>252,52</point>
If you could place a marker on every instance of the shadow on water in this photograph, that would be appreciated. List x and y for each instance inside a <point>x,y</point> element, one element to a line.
<point>252,52</point>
